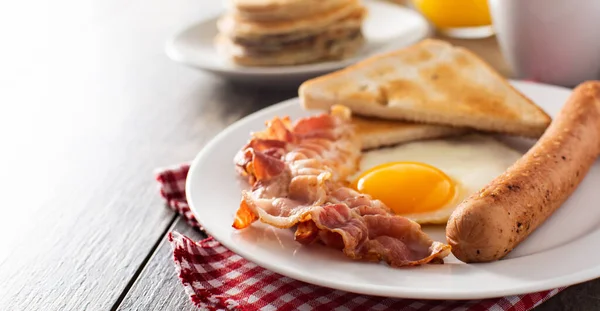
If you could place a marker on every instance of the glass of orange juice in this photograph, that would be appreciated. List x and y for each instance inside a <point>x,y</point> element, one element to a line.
<point>458,18</point>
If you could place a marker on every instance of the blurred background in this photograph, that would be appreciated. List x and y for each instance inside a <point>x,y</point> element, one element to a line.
<point>455,19</point>
<point>465,23</point>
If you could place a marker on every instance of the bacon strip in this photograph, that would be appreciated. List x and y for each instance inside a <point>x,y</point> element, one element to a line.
<point>298,175</point>
<point>393,239</point>
<point>292,167</point>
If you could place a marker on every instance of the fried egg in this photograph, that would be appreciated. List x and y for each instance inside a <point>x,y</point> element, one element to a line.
<point>426,180</point>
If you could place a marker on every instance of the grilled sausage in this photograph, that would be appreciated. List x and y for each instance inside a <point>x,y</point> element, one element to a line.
<point>490,223</point>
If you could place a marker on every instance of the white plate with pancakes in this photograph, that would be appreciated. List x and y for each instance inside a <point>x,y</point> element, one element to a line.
<point>386,26</point>
<point>557,254</point>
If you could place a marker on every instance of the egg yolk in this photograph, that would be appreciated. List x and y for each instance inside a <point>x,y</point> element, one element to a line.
<point>407,187</point>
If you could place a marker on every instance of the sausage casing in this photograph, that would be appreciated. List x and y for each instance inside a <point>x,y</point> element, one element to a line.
<point>490,223</point>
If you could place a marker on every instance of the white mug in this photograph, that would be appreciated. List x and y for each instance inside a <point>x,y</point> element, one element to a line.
<point>550,41</point>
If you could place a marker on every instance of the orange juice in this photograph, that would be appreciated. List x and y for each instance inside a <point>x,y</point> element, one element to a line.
<point>455,13</point>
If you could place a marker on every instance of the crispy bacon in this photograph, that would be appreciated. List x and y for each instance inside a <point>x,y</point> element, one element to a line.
<point>262,155</point>
<point>298,175</point>
<point>244,216</point>
<point>393,239</point>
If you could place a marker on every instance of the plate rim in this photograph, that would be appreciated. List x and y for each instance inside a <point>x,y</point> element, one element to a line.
<point>175,55</point>
<point>408,293</point>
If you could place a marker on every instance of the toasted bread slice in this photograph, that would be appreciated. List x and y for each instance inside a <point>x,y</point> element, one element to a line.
<point>431,82</point>
<point>376,133</point>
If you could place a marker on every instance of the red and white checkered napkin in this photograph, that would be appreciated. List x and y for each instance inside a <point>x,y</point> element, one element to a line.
<point>218,279</point>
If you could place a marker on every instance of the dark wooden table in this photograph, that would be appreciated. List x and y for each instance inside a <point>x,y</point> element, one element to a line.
<point>90,107</point>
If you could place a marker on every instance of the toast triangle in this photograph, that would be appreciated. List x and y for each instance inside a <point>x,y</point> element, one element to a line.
<point>376,133</point>
<point>430,82</point>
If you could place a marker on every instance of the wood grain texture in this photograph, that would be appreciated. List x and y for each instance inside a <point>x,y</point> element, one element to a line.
<point>584,296</point>
<point>102,229</point>
<point>158,287</point>
<point>90,107</point>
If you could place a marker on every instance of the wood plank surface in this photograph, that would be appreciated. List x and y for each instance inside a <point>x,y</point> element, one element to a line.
<point>158,288</point>
<point>90,106</point>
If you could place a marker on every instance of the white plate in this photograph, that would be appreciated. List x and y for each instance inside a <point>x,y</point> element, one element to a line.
<point>559,253</point>
<point>387,26</point>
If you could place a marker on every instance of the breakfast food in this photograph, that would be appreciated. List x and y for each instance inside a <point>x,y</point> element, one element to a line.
<point>376,133</point>
<point>298,173</point>
<point>425,180</point>
<point>290,32</point>
<point>431,82</point>
<point>277,10</point>
<point>405,143</point>
<point>491,222</point>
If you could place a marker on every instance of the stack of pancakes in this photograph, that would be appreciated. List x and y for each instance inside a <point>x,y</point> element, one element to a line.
<point>290,32</point>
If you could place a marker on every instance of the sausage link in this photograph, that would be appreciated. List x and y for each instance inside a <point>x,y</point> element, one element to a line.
<point>490,223</point>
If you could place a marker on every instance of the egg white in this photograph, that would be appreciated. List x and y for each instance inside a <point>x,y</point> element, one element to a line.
<point>471,161</point>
